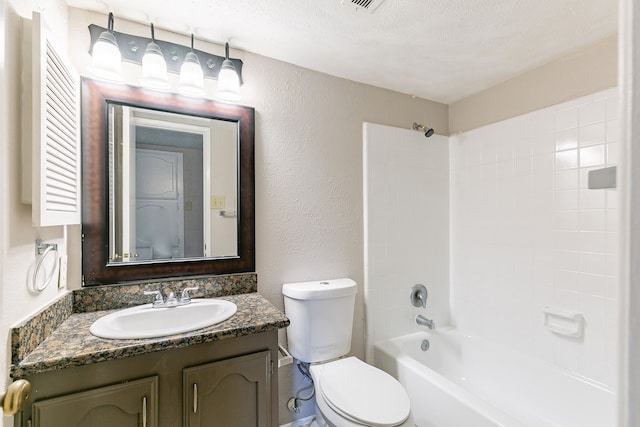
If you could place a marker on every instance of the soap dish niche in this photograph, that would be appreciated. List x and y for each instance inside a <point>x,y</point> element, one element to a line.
<point>563,322</point>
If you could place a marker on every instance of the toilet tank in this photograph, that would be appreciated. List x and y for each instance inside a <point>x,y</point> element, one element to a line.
<point>321,315</point>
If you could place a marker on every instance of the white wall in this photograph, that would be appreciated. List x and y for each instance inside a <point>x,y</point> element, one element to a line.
<point>406,221</point>
<point>527,233</point>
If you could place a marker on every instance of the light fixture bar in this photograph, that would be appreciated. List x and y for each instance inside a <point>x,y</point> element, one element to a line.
<point>132,49</point>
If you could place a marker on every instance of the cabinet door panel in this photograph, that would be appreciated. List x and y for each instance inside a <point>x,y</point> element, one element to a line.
<point>131,404</point>
<point>229,393</point>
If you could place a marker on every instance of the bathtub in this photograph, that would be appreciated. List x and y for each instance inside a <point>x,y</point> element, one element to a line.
<point>463,381</point>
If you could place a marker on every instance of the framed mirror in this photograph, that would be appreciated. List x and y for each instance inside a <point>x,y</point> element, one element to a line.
<point>168,185</point>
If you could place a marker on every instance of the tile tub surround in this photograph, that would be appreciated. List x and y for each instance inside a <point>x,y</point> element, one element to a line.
<point>527,233</point>
<point>29,334</point>
<point>71,344</point>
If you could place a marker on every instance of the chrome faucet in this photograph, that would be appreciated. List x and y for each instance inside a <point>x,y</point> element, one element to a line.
<point>158,300</point>
<point>423,321</point>
<point>185,298</point>
<point>418,296</point>
<point>171,301</point>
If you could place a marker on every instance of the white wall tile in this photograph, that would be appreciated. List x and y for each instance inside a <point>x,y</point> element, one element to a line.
<point>593,263</point>
<point>593,199</point>
<point>566,139</point>
<point>566,280</point>
<point>568,200</point>
<point>567,159</point>
<point>612,130</point>
<point>567,179</point>
<point>593,241</point>
<point>566,119</point>
<point>542,238</point>
<point>566,260</point>
<point>594,220</point>
<point>591,134</point>
<point>612,107</point>
<point>612,153</point>
<point>593,284</point>
<point>592,156</point>
<point>406,225</point>
<point>593,358</point>
<point>592,112</point>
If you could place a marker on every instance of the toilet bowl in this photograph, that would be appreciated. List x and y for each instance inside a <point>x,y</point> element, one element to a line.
<point>351,393</point>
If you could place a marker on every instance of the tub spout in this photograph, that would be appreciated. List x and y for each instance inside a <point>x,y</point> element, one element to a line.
<point>423,321</point>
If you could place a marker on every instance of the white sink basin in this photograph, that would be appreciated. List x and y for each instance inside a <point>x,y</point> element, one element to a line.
<point>146,322</point>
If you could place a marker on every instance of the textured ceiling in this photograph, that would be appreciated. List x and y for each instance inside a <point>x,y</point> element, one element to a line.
<point>441,50</point>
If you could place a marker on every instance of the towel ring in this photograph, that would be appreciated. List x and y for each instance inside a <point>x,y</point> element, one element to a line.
<point>42,250</point>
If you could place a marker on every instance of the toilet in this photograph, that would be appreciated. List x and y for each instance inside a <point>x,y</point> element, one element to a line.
<point>349,392</point>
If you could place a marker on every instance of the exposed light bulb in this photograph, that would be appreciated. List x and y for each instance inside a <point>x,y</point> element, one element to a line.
<point>228,80</point>
<point>154,67</point>
<point>106,60</point>
<point>191,75</point>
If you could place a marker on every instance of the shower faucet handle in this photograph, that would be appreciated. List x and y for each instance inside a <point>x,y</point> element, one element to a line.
<point>418,296</point>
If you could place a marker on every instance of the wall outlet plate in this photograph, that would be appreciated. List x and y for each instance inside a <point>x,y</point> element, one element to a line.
<point>62,272</point>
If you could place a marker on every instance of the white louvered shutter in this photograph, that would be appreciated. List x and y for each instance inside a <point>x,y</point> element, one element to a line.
<point>56,133</point>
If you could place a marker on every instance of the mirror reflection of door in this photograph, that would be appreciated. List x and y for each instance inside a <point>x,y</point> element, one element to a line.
<point>169,165</point>
<point>159,200</point>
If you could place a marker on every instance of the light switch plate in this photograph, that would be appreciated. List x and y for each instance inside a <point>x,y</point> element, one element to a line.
<point>217,202</point>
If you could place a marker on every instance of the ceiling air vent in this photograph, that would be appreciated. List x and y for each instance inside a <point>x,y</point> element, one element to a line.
<point>368,5</point>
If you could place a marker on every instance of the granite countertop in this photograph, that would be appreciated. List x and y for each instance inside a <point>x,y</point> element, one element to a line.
<point>71,343</point>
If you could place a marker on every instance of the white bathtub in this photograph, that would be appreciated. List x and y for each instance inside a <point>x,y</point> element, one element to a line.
<point>463,381</point>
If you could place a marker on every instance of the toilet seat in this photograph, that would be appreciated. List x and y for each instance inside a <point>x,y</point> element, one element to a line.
<point>362,393</point>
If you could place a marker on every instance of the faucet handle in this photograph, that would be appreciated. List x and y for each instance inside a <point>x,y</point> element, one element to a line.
<point>418,296</point>
<point>185,298</point>
<point>158,299</point>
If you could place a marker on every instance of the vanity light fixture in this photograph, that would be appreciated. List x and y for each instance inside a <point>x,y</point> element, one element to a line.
<point>191,75</point>
<point>159,57</point>
<point>106,61</point>
<point>154,67</point>
<point>228,80</point>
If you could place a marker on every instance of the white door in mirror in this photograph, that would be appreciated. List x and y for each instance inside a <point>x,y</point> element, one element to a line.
<point>147,322</point>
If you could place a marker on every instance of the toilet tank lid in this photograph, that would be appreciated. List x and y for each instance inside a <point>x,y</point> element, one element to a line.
<point>320,289</point>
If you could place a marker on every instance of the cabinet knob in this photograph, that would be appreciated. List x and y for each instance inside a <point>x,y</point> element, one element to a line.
<point>15,399</point>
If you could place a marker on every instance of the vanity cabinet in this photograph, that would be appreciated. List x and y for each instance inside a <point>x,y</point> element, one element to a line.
<point>212,391</point>
<point>226,383</point>
<point>131,404</point>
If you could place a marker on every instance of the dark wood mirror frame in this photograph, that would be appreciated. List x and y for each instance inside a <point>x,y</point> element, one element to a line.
<point>95,233</point>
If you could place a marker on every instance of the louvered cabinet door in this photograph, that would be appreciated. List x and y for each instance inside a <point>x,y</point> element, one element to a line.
<point>55,132</point>
<point>229,393</point>
<point>131,404</point>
